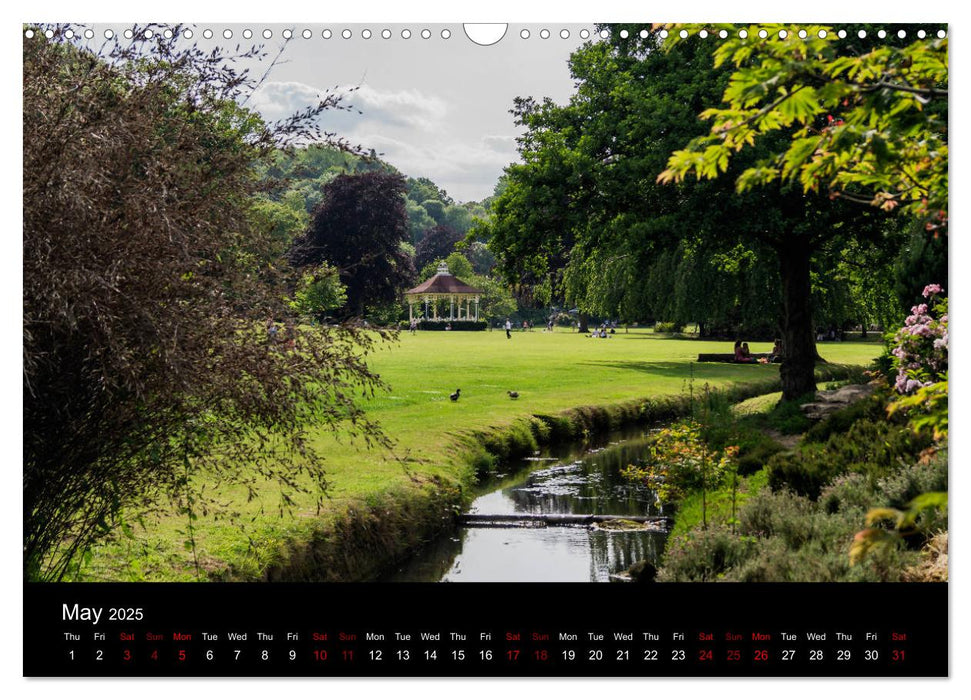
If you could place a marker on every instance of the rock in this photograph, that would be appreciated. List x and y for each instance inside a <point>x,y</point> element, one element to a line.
<point>640,572</point>
<point>831,401</point>
<point>643,572</point>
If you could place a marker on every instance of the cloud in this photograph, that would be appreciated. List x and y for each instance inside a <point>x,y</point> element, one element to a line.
<point>502,144</point>
<point>416,132</point>
<point>369,106</point>
<point>408,108</point>
<point>468,170</point>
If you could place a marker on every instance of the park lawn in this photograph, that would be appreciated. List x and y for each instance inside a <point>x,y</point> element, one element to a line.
<point>551,371</point>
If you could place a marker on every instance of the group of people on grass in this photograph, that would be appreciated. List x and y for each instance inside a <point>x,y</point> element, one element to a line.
<point>743,355</point>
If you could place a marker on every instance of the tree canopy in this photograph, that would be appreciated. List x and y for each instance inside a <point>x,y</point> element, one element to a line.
<point>870,127</point>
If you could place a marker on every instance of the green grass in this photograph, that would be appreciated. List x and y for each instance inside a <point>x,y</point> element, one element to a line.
<point>551,371</point>
<point>718,504</point>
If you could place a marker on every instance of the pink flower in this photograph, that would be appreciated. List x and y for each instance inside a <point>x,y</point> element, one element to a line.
<point>932,289</point>
<point>911,385</point>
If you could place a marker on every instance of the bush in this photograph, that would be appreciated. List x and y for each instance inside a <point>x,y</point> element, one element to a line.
<point>872,408</point>
<point>869,447</point>
<point>148,282</point>
<point>850,492</point>
<point>899,488</point>
<point>705,555</point>
<point>668,327</point>
<point>785,537</point>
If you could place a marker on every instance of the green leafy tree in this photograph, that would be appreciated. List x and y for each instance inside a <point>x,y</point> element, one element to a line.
<point>319,292</point>
<point>458,218</point>
<point>419,222</point>
<point>585,209</point>
<point>436,210</point>
<point>458,266</point>
<point>496,301</point>
<point>479,255</point>
<point>421,189</point>
<point>680,461</point>
<point>870,127</point>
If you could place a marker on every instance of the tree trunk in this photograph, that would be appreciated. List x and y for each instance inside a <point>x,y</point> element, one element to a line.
<point>798,336</point>
<point>584,328</point>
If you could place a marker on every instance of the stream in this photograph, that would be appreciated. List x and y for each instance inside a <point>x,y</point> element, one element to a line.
<point>575,479</point>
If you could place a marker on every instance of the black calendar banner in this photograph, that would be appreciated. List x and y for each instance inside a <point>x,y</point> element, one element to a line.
<point>336,630</point>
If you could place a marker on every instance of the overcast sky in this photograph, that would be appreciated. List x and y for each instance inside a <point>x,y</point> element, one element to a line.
<point>434,107</point>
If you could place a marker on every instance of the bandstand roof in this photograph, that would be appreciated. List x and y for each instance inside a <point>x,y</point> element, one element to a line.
<point>444,283</point>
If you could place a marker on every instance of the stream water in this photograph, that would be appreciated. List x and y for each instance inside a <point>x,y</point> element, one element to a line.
<point>574,479</point>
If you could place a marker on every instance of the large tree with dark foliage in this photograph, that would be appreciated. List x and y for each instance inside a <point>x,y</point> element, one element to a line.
<point>437,244</point>
<point>359,227</point>
<point>149,378</point>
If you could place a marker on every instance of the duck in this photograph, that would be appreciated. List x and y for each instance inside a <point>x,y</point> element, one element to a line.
<point>513,394</point>
<point>455,396</point>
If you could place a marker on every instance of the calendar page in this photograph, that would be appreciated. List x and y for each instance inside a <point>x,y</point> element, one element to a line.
<point>489,350</point>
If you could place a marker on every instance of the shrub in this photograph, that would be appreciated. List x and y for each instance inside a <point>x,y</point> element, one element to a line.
<point>902,486</point>
<point>845,493</point>
<point>872,408</point>
<point>921,356</point>
<point>148,280</point>
<point>868,447</point>
<point>668,327</point>
<point>782,537</point>
<point>705,556</point>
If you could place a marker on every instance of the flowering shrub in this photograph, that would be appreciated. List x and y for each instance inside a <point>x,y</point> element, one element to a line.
<point>920,352</point>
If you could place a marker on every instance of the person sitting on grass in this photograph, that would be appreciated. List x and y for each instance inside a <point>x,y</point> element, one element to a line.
<point>776,354</point>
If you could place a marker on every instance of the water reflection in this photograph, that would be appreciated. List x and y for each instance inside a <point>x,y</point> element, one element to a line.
<point>581,481</point>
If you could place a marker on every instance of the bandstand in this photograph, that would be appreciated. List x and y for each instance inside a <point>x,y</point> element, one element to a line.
<point>444,286</point>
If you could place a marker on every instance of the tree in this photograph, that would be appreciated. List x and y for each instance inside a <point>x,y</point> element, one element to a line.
<point>359,228</point>
<point>419,222</point>
<point>495,302</point>
<point>870,127</point>
<point>458,266</point>
<point>421,189</point>
<point>586,207</point>
<point>319,292</point>
<point>437,244</point>
<point>435,209</point>
<point>480,256</point>
<point>148,377</point>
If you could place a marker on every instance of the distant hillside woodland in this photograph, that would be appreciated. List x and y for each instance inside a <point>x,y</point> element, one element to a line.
<point>346,218</point>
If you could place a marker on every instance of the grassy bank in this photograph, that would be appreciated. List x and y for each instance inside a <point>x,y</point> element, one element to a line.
<point>381,504</point>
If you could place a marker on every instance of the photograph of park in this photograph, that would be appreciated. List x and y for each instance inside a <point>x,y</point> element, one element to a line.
<point>618,303</point>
